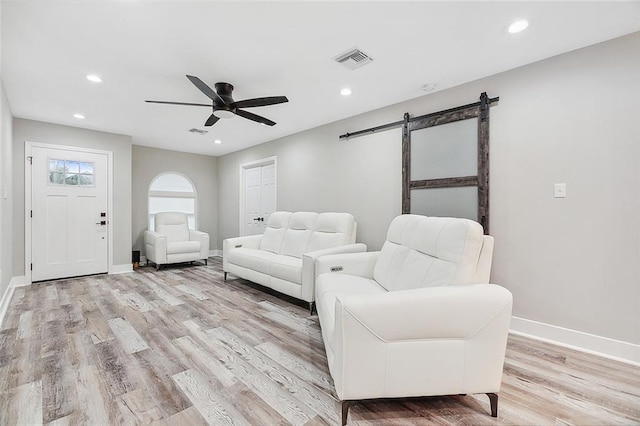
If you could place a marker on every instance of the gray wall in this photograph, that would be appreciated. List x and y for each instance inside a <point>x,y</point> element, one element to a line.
<point>570,262</point>
<point>201,169</point>
<point>6,192</point>
<point>316,172</point>
<point>120,145</point>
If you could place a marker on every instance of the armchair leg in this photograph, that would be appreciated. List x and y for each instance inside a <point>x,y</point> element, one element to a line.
<point>345,411</point>
<point>225,276</point>
<point>312,307</point>
<point>493,400</point>
<point>157,266</point>
<point>206,262</point>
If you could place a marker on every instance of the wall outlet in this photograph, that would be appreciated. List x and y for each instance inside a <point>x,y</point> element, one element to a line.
<point>560,190</point>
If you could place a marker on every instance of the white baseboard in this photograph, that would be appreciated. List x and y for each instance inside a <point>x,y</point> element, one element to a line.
<point>8,294</point>
<point>121,269</point>
<point>19,281</point>
<point>585,342</point>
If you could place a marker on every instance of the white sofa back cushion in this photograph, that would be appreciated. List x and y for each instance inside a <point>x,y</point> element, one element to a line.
<point>294,234</point>
<point>425,251</point>
<point>274,233</point>
<point>298,233</point>
<point>174,225</point>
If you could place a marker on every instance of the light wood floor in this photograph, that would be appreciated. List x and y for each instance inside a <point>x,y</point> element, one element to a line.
<point>183,347</point>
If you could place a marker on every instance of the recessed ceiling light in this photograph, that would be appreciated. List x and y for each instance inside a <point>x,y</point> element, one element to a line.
<point>79,116</point>
<point>517,26</point>
<point>94,78</point>
<point>345,92</point>
<point>217,141</point>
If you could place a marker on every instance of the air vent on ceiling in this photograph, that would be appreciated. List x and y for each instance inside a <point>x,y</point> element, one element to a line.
<point>354,58</point>
<point>198,131</point>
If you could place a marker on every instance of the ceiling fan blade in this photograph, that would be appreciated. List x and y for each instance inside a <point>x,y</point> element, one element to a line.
<point>211,120</point>
<point>258,102</point>
<point>178,103</point>
<point>205,89</point>
<point>255,117</point>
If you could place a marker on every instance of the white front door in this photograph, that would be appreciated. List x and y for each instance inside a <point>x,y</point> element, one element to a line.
<point>69,213</point>
<point>259,197</point>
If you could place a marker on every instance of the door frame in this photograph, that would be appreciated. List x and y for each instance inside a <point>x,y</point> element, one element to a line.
<point>242,207</point>
<point>28,151</point>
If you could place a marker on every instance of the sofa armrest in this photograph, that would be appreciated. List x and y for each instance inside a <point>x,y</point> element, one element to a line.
<point>203,239</point>
<point>309,266</point>
<point>349,248</point>
<point>249,241</point>
<point>155,247</point>
<point>452,312</point>
<point>360,264</point>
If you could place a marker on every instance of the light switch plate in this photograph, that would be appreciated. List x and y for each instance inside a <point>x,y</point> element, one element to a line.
<point>560,190</point>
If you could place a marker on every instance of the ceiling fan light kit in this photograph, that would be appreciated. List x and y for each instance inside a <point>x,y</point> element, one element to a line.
<point>223,104</point>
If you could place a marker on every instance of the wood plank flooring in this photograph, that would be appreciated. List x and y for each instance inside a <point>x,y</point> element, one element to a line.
<point>183,347</point>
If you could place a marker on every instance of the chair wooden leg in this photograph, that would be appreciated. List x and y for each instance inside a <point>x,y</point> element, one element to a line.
<point>345,411</point>
<point>493,400</point>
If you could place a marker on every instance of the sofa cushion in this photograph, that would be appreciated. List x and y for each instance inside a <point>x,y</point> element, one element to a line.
<point>296,237</point>
<point>335,222</point>
<point>287,268</point>
<point>277,223</point>
<point>433,251</point>
<point>331,230</point>
<point>330,286</point>
<point>257,260</point>
<point>183,247</point>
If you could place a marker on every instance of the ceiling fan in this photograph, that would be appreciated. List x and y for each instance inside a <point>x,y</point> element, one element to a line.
<point>223,104</point>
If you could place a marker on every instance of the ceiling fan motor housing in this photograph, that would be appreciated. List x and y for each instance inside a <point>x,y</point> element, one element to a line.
<point>225,90</point>
<point>221,110</point>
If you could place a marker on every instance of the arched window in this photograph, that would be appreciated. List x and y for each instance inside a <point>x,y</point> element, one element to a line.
<point>172,192</point>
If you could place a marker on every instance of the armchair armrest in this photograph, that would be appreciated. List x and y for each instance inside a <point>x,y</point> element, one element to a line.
<point>309,266</point>
<point>360,264</point>
<point>453,312</point>
<point>203,239</point>
<point>155,247</point>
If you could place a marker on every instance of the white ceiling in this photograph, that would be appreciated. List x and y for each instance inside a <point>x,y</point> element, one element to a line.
<point>144,49</point>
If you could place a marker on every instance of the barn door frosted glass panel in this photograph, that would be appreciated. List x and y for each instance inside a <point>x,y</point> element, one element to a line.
<point>445,151</point>
<point>447,202</point>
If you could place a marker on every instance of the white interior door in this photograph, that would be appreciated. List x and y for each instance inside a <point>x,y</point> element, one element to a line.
<point>69,213</point>
<point>259,197</point>
<point>253,200</point>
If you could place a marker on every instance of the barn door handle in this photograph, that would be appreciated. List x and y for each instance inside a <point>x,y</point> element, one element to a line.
<point>102,222</point>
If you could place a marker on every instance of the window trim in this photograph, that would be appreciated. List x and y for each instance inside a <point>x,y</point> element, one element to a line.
<point>173,194</point>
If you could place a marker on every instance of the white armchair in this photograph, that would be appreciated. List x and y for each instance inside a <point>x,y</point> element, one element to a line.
<point>173,241</point>
<point>416,318</point>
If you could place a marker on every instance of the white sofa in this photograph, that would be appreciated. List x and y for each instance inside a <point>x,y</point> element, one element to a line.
<point>416,318</point>
<point>283,258</point>
<point>173,241</point>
